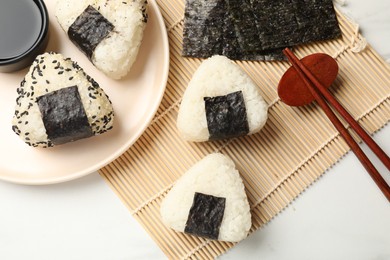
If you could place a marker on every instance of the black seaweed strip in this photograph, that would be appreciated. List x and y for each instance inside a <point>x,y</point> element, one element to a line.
<point>63,116</point>
<point>205,216</point>
<point>226,116</point>
<point>88,30</point>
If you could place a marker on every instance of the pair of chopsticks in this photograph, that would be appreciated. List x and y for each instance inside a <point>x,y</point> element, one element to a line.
<point>321,95</point>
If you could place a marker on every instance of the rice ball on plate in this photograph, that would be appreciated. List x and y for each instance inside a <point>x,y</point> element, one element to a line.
<point>209,201</point>
<point>58,103</point>
<point>108,32</point>
<point>221,101</point>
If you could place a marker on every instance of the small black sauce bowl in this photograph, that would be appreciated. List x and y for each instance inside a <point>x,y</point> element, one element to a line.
<point>26,58</point>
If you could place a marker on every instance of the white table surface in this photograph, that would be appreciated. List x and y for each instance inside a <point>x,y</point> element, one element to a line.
<point>342,216</point>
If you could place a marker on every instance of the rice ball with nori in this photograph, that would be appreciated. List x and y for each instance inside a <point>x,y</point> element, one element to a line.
<point>58,103</point>
<point>221,101</point>
<point>209,201</point>
<point>109,33</point>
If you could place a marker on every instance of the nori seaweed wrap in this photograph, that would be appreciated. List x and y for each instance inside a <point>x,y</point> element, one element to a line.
<point>89,29</point>
<point>205,216</point>
<point>64,116</point>
<point>226,116</point>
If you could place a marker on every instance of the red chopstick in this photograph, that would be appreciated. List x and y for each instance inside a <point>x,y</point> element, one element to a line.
<point>316,90</point>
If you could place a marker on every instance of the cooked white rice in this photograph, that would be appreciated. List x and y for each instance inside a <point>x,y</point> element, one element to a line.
<point>50,72</point>
<point>117,52</point>
<point>218,76</point>
<point>214,175</point>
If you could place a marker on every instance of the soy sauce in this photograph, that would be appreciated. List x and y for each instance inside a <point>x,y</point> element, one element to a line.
<point>20,27</point>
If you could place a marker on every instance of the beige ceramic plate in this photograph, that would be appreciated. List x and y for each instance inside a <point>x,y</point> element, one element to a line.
<point>135,99</point>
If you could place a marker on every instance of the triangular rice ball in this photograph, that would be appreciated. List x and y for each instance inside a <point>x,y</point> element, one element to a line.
<point>58,103</point>
<point>209,200</point>
<point>221,101</point>
<point>109,33</point>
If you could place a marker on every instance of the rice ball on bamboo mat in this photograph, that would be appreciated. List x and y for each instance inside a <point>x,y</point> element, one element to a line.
<point>58,103</point>
<point>221,101</point>
<point>209,201</point>
<point>109,33</point>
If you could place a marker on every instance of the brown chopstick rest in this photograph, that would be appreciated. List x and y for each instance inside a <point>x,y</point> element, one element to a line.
<point>308,80</point>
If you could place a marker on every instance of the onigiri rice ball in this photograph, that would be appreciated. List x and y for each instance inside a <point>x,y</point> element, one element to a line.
<point>109,32</point>
<point>221,101</point>
<point>58,103</point>
<point>209,201</point>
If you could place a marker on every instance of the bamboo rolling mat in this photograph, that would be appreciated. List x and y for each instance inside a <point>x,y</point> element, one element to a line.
<point>295,147</point>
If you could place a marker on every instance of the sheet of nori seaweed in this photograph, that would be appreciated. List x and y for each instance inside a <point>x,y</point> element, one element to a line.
<point>88,30</point>
<point>293,22</point>
<point>205,216</point>
<point>239,33</point>
<point>256,29</point>
<point>202,34</point>
<point>226,116</point>
<point>209,30</point>
<point>63,116</point>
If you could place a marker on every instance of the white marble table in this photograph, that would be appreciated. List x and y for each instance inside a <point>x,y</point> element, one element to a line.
<point>342,216</point>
